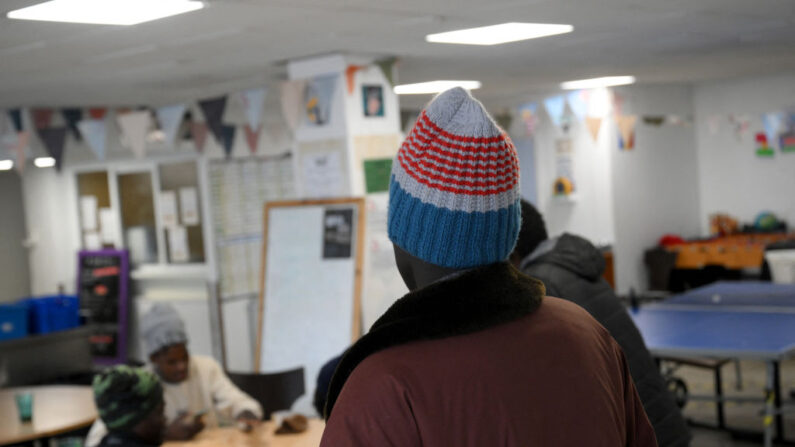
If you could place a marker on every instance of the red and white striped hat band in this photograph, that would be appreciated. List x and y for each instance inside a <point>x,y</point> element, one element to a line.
<point>456,157</point>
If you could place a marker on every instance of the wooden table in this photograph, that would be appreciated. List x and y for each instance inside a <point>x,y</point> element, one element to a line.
<point>261,437</point>
<point>56,410</point>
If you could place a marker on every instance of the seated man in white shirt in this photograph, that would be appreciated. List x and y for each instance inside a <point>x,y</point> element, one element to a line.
<point>195,389</point>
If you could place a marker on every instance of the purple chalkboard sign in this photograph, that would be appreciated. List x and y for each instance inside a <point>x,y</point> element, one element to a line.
<point>102,284</point>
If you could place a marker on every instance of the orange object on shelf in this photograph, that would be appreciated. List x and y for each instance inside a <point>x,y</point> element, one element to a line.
<point>738,251</point>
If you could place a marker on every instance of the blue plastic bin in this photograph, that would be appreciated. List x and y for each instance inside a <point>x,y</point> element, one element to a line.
<point>13,321</point>
<point>52,313</point>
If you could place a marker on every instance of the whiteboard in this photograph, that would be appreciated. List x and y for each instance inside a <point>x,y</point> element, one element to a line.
<point>310,310</point>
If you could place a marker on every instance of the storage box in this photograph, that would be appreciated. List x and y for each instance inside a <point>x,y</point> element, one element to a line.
<point>782,265</point>
<point>52,313</point>
<point>13,321</point>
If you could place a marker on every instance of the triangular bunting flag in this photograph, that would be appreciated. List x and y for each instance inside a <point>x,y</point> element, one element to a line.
<point>169,118</point>
<point>253,103</point>
<point>594,124</point>
<point>252,137</point>
<point>555,108</point>
<point>97,113</point>
<point>292,92</point>
<point>95,133</point>
<point>53,140</point>
<point>626,128</point>
<point>213,110</point>
<point>578,104</point>
<point>16,118</point>
<point>350,76</point>
<point>228,139</point>
<point>528,114</point>
<point>198,131</point>
<point>72,116</point>
<point>23,138</point>
<point>387,68</point>
<point>318,97</point>
<point>134,126</point>
<point>773,124</point>
<point>5,125</point>
<point>41,118</point>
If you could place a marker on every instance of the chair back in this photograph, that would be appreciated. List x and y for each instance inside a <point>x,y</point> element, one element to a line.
<point>274,391</point>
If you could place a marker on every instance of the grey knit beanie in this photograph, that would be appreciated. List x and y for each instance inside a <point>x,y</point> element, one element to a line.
<point>162,327</point>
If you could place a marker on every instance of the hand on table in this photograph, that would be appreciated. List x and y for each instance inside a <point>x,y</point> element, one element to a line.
<point>247,420</point>
<point>184,428</point>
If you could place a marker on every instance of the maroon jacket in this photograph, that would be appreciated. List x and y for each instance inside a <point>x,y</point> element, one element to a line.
<point>482,360</point>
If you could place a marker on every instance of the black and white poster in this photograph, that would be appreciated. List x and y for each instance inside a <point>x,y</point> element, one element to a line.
<point>337,233</point>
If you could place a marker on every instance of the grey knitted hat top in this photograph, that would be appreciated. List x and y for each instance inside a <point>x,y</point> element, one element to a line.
<point>162,327</point>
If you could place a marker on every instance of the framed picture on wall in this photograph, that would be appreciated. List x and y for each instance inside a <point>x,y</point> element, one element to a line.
<point>373,100</point>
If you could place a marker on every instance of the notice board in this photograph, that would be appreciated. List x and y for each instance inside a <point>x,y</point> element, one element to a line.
<point>102,285</point>
<point>310,285</point>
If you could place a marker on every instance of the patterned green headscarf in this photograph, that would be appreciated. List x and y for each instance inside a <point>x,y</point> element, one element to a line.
<point>125,396</point>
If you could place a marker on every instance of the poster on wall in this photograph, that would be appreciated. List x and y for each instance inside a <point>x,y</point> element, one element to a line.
<point>322,165</point>
<point>763,148</point>
<point>337,233</point>
<point>564,168</point>
<point>168,208</point>
<point>373,100</point>
<point>318,96</point>
<point>102,279</point>
<point>376,175</point>
<point>189,206</point>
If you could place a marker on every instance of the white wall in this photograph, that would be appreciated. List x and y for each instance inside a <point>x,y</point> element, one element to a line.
<point>655,186</point>
<point>732,179</point>
<point>590,212</point>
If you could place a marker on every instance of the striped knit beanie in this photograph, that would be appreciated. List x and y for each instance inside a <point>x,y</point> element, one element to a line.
<point>454,191</point>
<point>125,396</point>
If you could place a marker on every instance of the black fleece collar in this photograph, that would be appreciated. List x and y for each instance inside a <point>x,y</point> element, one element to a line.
<point>476,300</point>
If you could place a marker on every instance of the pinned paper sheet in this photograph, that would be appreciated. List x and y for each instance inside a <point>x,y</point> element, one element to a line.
<point>170,118</point>
<point>529,116</point>
<point>323,175</point>
<point>253,103</point>
<point>626,128</point>
<point>134,126</point>
<point>88,212</point>
<point>178,244</point>
<point>318,96</point>
<point>95,133</point>
<point>189,206</point>
<point>578,104</point>
<point>556,106</point>
<point>107,225</point>
<point>168,209</point>
<point>594,124</point>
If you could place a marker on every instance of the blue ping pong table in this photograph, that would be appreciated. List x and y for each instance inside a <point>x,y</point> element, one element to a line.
<point>728,320</point>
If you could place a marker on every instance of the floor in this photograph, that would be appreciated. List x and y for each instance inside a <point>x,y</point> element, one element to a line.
<point>738,415</point>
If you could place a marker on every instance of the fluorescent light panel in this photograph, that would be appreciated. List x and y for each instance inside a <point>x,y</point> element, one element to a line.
<point>44,162</point>
<point>105,12</point>
<point>6,165</point>
<point>609,81</point>
<point>425,88</point>
<point>497,34</point>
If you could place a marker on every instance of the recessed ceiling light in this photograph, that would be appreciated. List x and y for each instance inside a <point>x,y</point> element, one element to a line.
<point>609,81</point>
<point>497,34</point>
<point>105,12</point>
<point>424,88</point>
<point>44,162</point>
<point>6,165</point>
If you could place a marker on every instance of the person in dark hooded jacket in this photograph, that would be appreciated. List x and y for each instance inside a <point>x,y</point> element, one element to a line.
<point>571,268</point>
